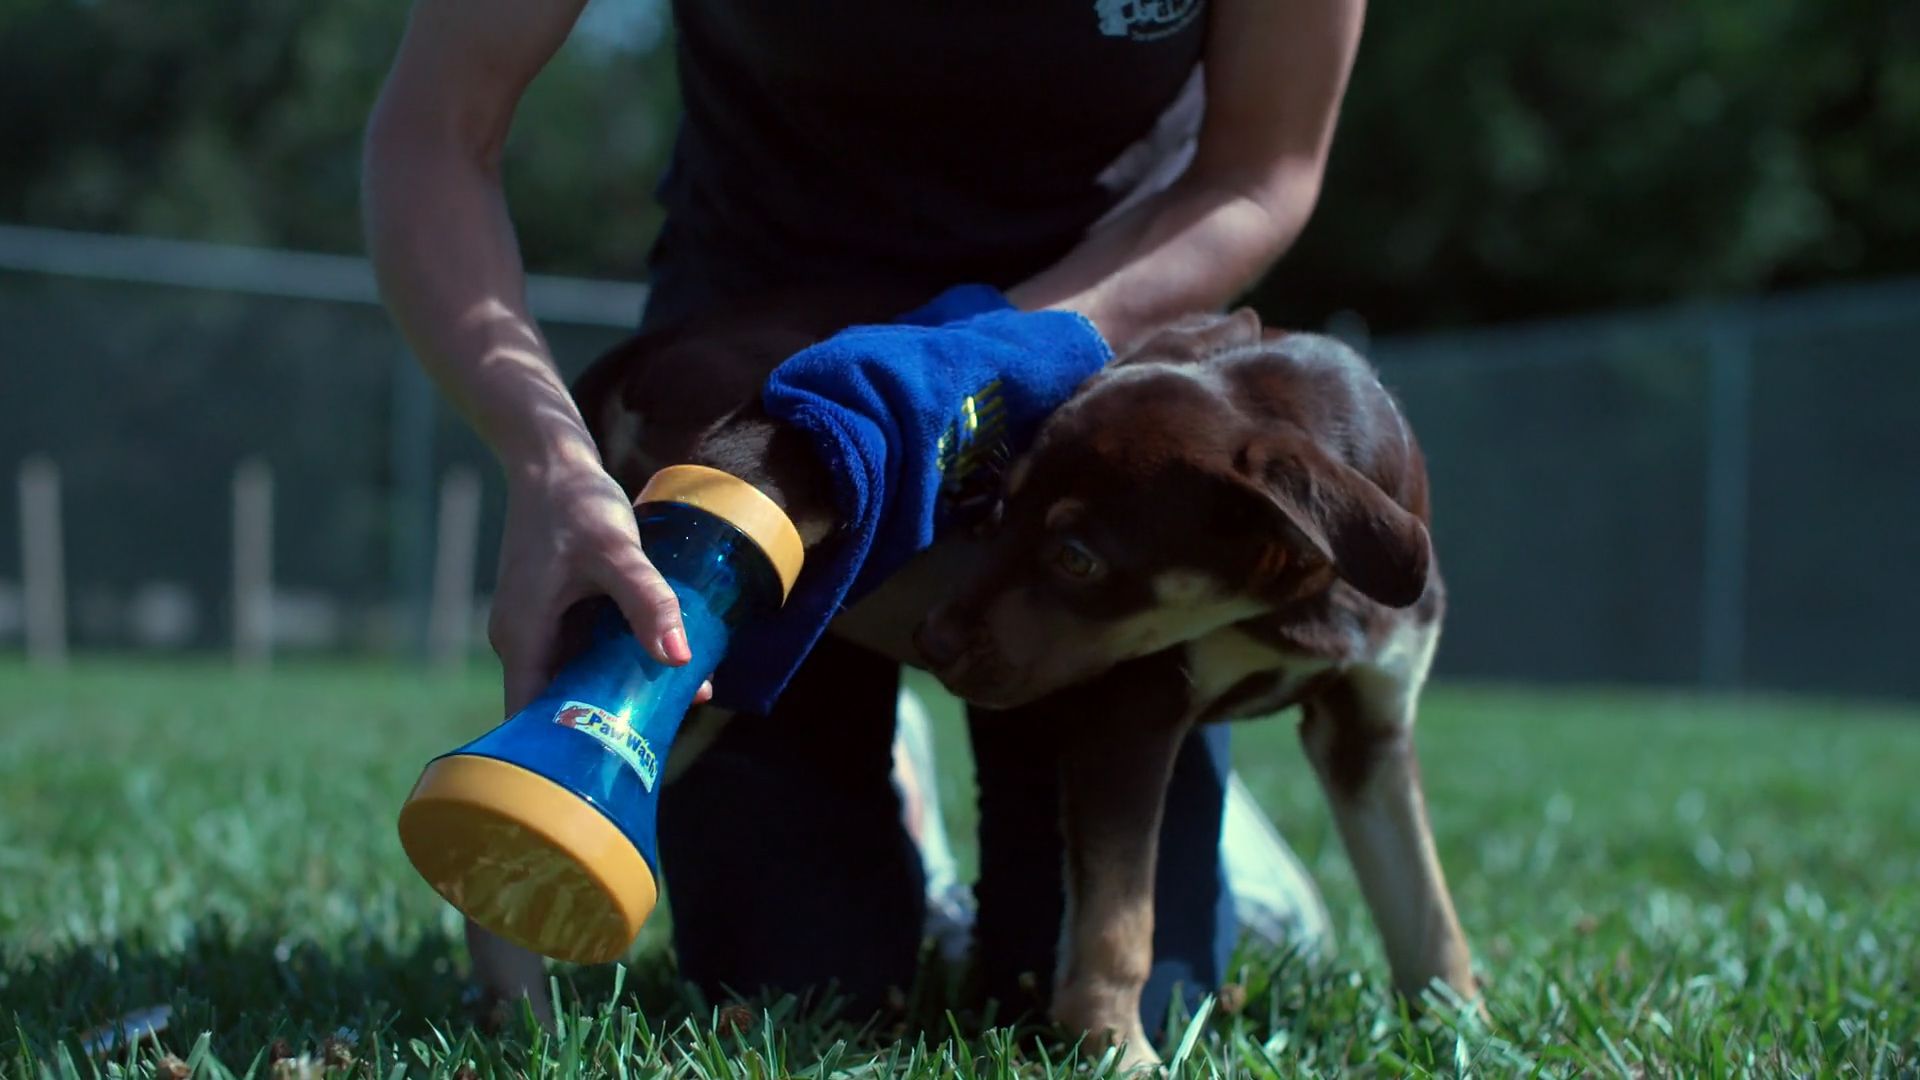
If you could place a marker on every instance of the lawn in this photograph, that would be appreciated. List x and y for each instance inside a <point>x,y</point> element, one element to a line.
<point>1653,884</point>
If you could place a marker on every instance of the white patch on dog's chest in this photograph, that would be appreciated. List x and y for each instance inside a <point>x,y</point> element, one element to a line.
<point>621,432</point>
<point>1226,658</point>
<point>1391,681</point>
<point>1185,589</point>
<point>1188,605</point>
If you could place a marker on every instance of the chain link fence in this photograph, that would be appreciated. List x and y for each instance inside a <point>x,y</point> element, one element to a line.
<point>1719,496</point>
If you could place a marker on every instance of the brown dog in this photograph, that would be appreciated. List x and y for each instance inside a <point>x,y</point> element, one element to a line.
<point>1224,523</point>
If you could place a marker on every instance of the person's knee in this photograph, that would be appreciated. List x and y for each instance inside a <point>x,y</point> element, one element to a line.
<point>788,870</point>
<point>1020,896</point>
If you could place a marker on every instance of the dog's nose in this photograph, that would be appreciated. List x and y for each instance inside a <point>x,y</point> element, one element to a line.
<point>940,641</point>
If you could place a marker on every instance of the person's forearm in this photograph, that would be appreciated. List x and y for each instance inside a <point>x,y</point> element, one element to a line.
<point>450,271</point>
<point>1276,71</point>
<point>1194,247</point>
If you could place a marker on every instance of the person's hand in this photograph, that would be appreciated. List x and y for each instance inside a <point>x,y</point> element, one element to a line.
<point>570,536</point>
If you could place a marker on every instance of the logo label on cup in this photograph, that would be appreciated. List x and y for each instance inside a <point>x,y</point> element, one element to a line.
<point>616,734</point>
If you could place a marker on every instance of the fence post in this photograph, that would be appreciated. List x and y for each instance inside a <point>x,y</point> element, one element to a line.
<point>1723,600</point>
<point>457,543</point>
<point>252,564</point>
<point>410,507</point>
<point>43,562</point>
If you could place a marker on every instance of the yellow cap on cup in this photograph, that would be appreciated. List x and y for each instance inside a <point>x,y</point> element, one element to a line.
<point>527,859</point>
<point>741,505</point>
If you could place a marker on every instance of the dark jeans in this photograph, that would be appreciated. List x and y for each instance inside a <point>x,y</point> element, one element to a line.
<point>788,867</point>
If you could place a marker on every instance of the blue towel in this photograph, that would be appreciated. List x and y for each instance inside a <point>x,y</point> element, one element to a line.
<point>912,418</point>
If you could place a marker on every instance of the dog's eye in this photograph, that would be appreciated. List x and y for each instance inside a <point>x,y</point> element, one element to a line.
<point>1072,560</point>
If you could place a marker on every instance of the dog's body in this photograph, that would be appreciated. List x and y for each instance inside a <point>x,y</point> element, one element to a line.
<point>1223,524</point>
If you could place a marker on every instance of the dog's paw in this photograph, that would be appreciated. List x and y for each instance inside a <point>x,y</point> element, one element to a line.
<point>488,1012</point>
<point>1462,999</point>
<point>1107,1020</point>
<point>1139,1058</point>
<point>1136,1054</point>
<point>494,1014</point>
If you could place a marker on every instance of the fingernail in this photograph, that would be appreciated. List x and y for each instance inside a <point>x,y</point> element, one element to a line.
<point>674,645</point>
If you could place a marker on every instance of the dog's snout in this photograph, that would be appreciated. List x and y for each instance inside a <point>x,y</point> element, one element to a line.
<point>940,640</point>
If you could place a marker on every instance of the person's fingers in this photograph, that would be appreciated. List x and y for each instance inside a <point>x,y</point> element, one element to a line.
<point>704,694</point>
<point>649,604</point>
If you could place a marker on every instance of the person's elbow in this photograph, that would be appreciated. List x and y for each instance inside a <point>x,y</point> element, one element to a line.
<point>1282,196</point>
<point>414,135</point>
<point>390,148</point>
<point>1256,214</point>
<point>411,155</point>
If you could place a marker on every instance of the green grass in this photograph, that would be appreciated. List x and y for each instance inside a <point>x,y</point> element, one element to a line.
<point>1653,885</point>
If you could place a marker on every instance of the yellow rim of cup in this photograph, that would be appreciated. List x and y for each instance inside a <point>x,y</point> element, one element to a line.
<point>739,503</point>
<point>527,859</point>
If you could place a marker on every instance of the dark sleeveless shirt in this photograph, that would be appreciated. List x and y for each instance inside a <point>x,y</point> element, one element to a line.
<point>917,141</point>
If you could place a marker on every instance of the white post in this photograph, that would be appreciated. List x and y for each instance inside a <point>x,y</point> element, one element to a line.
<point>252,564</point>
<point>455,553</point>
<point>42,562</point>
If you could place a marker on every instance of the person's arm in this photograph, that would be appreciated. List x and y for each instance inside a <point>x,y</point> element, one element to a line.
<point>1275,75</point>
<point>449,268</point>
<point>437,226</point>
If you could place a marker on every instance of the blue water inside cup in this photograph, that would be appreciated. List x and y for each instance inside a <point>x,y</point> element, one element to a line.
<point>603,727</point>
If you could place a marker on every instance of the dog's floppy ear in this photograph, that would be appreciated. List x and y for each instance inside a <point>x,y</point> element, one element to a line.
<point>1193,338</point>
<point>1373,543</point>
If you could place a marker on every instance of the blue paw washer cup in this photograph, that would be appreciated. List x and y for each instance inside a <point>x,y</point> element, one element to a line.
<point>542,830</point>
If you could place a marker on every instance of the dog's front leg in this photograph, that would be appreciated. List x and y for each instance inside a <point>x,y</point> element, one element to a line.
<point>1358,732</point>
<point>504,974</point>
<point>1115,765</point>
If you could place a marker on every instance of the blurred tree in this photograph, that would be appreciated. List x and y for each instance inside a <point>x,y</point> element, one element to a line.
<point>1494,160</point>
<point>1515,159</point>
<point>242,123</point>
